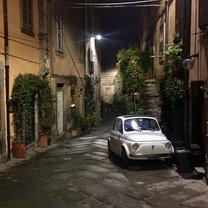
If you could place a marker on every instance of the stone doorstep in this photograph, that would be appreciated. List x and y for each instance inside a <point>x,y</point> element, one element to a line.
<point>200,169</point>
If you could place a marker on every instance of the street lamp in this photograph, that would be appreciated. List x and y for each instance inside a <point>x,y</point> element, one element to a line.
<point>188,63</point>
<point>97,37</point>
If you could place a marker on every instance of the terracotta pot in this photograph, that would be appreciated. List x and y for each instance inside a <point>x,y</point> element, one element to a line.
<point>75,132</point>
<point>18,149</point>
<point>42,139</point>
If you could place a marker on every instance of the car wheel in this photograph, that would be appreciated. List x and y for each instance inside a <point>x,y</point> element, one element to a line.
<point>110,152</point>
<point>125,159</point>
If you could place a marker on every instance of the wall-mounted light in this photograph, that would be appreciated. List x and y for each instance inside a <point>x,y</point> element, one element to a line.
<point>188,63</point>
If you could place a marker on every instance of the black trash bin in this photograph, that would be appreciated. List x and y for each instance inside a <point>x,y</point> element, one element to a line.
<point>184,161</point>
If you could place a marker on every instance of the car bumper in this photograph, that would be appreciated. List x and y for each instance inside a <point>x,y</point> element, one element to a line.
<point>150,156</point>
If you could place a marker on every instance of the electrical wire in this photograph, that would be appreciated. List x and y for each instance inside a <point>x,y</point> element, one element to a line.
<point>115,4</point>
<point>144,3</point>
<point>119,6</point>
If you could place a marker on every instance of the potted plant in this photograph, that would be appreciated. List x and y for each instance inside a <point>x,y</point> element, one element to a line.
<point>18,149</point>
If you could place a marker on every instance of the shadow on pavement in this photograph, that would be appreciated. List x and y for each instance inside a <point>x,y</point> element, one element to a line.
<point>141,165</point>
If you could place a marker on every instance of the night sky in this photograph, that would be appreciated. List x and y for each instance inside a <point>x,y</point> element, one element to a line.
<point>120,24</point>
<point>119,29</point>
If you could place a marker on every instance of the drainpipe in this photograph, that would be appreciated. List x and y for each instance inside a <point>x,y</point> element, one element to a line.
<point>6,49</point>
<point>166,21</point>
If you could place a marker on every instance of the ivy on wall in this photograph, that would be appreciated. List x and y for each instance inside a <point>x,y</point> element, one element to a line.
<point>172,92</point>
<point>25,89</point>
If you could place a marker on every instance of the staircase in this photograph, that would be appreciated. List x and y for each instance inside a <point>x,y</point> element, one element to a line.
<point>151,101</point>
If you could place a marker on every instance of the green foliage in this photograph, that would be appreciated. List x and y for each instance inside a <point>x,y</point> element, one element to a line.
<point>26,87</point>
<point>146,61</point>
<point>72,80</point>
<point>89,97</point>
<point>173,52</point>
<point>130,69</point>
<point>173,55</point>
<point>86,121</point>
<point>122,104</point>
<point>82,122</point>
<point>172,91</point>
<point>132,66</point>
<point>45,106</point>
<point>172,87</point>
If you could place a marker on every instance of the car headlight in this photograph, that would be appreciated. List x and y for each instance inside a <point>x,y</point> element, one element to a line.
<point>135,146</point>
<point>168,145</point>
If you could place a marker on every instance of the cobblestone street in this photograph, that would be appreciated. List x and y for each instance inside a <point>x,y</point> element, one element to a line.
<point>77,173</point>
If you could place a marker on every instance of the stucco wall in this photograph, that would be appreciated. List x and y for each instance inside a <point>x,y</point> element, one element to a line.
<point>23,50</point>
<point>169,30</point>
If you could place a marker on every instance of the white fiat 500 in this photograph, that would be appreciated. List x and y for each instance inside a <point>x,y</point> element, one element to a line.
<point>138,138</point>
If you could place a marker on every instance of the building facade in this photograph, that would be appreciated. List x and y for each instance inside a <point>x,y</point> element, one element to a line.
<point>198,74</point>
<point>188,21</point>
<point>50,39</point>
<point>19,53</point>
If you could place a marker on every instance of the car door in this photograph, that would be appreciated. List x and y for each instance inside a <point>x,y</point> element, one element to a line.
<point>113,136</point>
<point>116,136</point>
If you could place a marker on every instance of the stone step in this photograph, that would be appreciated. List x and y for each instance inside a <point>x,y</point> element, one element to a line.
<point>151,99</point>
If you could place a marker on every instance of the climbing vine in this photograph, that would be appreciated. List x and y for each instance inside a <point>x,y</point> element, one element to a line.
<point>24,92</point>
<point>172,91</point>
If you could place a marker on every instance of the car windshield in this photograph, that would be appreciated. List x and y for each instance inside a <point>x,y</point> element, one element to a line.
<point>140,124</point>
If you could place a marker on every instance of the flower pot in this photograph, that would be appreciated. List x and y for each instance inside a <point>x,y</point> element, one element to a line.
<point>18,149</point>
<point>75,132</point>
<point>42,139</point>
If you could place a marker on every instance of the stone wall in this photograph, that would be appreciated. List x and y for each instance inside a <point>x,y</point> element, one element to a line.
<point>109,84</point>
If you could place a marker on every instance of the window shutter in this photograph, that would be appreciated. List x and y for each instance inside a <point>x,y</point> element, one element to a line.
<point>203,13</point>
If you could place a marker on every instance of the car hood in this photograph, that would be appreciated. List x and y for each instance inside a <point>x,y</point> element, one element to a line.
<point>145,136</point>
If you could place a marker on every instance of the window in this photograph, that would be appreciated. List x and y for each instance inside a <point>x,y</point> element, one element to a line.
<point>119,126</point>
<point>203,14</point>
<point>26,12</point>
<point>59,33</point>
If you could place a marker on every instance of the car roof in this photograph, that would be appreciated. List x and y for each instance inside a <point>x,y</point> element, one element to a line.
<point>135,116</point>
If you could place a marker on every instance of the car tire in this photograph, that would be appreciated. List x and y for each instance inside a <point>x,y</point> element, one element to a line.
<point>125,159</point>
<point>110,152</point>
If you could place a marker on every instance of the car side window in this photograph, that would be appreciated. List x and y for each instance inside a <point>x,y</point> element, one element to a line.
<point>114,125</point>
<point>154,125</point>
<point>119,126</point>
